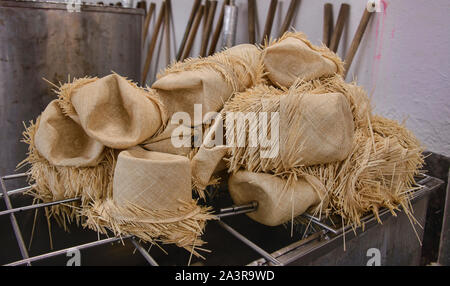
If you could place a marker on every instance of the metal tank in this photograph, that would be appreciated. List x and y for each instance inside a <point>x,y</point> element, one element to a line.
<point>47,40</point>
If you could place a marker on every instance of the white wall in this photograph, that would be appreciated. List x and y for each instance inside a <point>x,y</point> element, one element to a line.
<point>403,60</point>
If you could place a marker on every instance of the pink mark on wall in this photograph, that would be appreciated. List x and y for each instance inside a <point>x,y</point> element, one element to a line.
<point>385,4</point>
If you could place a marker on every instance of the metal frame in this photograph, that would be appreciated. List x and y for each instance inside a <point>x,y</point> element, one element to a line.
<point>324,228</point>
<point>225,212</point>
<point>421,190</point>
<point>330,234</point>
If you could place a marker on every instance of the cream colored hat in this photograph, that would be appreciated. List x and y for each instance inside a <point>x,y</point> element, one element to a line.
<point>63,142</point>
<point>293,57</point>
<point>209,81</point>
<point>278,200</point>
<point>312,129</point>
<point>152,199</point>
<point>117,113</point>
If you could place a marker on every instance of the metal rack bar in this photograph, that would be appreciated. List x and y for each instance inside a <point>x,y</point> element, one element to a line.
<point>321,224</point>
<point>336,231</point>
<point>36,206</point>
<point>15,225</point>
<point>15,176</point>
<point>235,210</point>
<point>225,212</point>
<point>18,191</point>
<point>249,243</point>
<point>144,253</point>
<point>63,251</point>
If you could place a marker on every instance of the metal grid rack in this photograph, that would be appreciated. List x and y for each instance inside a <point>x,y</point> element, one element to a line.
<point>325,227</point>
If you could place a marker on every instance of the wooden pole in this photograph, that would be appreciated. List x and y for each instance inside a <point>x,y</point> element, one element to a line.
<point>205,13</point>
<point>188,27</point>
<point>153,41</point>
<point>167,30</point>
<point>148,19</point>
<point>251,21</point>
<point>207,34</point>
<point>356,40</point>
<point>289,15</point>
<point>217,31</point>
<point>327,23</point>
<point>342,18</point>
<point>269,21</point>
<point>193,32</point>
<point>142,5</point>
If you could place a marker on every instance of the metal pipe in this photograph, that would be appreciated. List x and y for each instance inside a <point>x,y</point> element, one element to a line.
<point>255,247</point>
<point>144,253</point>
<point>36,206</point>
<point>252,205</point>
<point>15,176</point>
<point>321,224</point>
<point>63,251</point>
<point>18,191</point>
<point>229,25</point>
<point>15,225</point>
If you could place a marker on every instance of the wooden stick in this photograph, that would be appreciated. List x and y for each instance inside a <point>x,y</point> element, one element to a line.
<point>327,23</point>
<point>188,28</point>
<point>356,40</point>
<point>167,30</point>
<point>193,32</point>
<point>205,13</point>
<point>251,22</point>
<point>206,35</point>
<point>218,30</point>
<point>289,15</point>
<point>342,18</point>
<point>142,5</point>
<point>153,41</point>
<point>269,21</point>
<point>148,18</point>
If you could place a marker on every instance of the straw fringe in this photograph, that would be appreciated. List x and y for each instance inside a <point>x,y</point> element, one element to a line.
<point>51,183</point>
<point>267,99</point>
<point>181,227</point>
<point>66,90</point>
<point>96,209</point>
<point>378,173</point>
<point>372,177</point>
<point>225,64</point>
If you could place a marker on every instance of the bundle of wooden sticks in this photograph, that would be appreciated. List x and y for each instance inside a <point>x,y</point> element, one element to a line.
<point>203,14</point>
